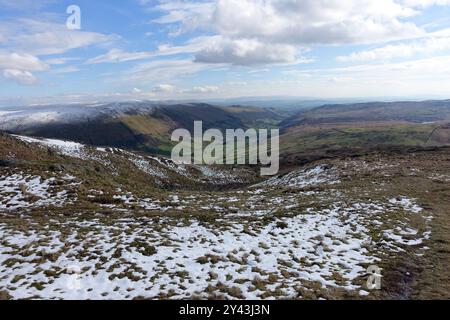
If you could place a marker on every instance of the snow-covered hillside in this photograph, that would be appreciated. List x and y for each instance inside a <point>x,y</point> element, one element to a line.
<point>162,169</point>
<point>20,118</point>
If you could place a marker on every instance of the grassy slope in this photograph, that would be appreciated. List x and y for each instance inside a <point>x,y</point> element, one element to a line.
<point>418,112</point>
<point>313,139</point>
<point>150,131</point>
<point>369,125</point>
<point>422,176</point>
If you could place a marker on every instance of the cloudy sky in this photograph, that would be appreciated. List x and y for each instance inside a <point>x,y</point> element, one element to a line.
<point>174,49</point>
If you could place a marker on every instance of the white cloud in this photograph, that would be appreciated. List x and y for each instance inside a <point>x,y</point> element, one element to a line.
<point>250,32</point>
<point>59,61</point>
<point>21,61</point>
<point>191,46</point>
<point>24,40</point>
<point>18,67</point>
<point>219,49</point>
<point>188,15</point>
<point>116,55</point>
<point>46,38</point>
<point>430,76</point>
<point>20,76</point>
<point>169,90</point>
<point>162,70</point>
<point>164,88</point>
<point>298,22</point>
<point>173,91</point>
<point>247,52</point>
<point>203,89</point>
<point>316,21</point>
<point>403,50</point>
<point>69,69</point>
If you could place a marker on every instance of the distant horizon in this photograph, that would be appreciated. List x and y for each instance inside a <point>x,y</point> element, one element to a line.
<point>237,100</point>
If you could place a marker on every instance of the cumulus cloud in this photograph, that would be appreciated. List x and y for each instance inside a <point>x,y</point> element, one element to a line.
<point>20,76</point>
<point>315,21</point>
<point>299,22</point>
<point>276,31</point>
<point>164,88</point>
<point>18,67</point>
<point>247,52</point>
<point>21,61</point>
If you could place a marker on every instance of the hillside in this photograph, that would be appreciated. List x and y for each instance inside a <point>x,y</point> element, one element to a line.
<point>356,128</point>
<point>142,126</point>
<point>310,134</point>
<point>118,224</point>
<point>406,111</point>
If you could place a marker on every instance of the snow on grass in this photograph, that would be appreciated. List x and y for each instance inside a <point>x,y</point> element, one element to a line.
<point>255,244</point>
<point>303,178</point>
<point>20,191</point>
<point>184,258</point>
<point>180,260</point>
<point>216,175</point>
<point>144,163</point>
<point>67,148</point>
<point>407,204</point>
<point>158,167</point>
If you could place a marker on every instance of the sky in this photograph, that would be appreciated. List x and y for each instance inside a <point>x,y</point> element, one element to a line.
<point>209,49</point>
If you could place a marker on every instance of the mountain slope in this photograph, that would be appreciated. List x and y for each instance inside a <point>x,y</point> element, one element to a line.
<point>127,226</point>
<point>136,125</point>
<point>360,127</point>
<point>407,111</point>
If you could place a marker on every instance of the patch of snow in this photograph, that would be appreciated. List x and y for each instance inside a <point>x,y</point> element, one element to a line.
<point>20,191</point>
<point>303,178</point>
<point>407,204</point>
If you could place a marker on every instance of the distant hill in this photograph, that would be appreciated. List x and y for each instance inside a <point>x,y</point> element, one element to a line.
<point>363,126</point>
<point>147,126</point>
<point>417,112</point>
<point>144,126</point>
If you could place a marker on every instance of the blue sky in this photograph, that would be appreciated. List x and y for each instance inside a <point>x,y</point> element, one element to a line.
<point>204,49</point>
